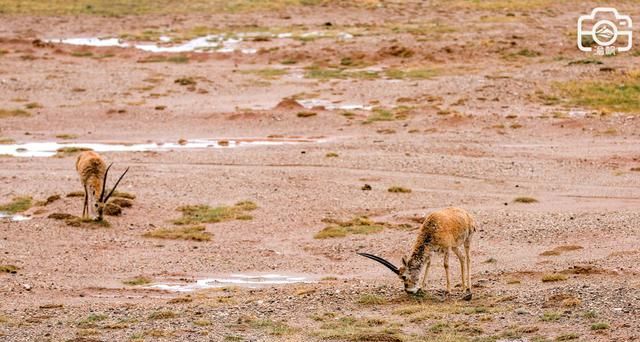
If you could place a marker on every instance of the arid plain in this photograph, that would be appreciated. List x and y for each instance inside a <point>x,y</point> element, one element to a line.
<point>327,128</point>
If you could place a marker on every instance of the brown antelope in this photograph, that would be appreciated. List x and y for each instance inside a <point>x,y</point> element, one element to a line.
<point>442,230</point>
<point>93,175</point>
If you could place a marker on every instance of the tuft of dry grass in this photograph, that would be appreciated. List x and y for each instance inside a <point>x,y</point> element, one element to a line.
<point>331,155</point>
<point>163,314</point>
<point>371,299</point>
<point>6,141</point>
<point>66,136</point>
<point>194,233</point>
<point>617,94</point>
<point>193,214</point>
<point>525,199</point>
<point>399,189</point>
<point>306,114</point>
<point>136,281</point>
<point>8,269</point>
<point>600,326</point>
<point>553,277</point>
<point>17,205</point>
<point>358,225</point>
<point>560,249</point>
<point>70,151</point>
<point>8,113</point>
<point>120,194</point>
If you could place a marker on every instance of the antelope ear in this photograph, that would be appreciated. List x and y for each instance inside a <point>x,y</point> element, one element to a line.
<point>404,261</point>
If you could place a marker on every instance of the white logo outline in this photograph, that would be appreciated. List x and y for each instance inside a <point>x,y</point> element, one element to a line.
<point>616,32</point>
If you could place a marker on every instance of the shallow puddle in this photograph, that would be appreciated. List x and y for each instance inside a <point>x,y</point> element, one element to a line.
<point>311,103</point>
<point>13,218</point>
<point>224,43</point>
<point>241,280</point>
<point>48,149</point>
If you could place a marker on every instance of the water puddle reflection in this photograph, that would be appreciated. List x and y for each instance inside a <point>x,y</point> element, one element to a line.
<point>49,149</point>
<point>13,218</point>
<point>241,280</point>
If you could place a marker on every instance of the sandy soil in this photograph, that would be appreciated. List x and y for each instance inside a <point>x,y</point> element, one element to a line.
<point>477,135</point>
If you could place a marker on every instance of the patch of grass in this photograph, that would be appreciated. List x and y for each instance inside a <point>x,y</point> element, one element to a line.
<point>331,155</point>
<point>6,141</point>
<point>371,299</point>
<point>33,105</point>
<point>66,136</point>
<point>619,94</point>
<point>550,316</point>
<point>121,194</point>
<point>272,327</point>
<point>568,337</point>
<point>399,189</point>
<point>82,53</point>
<point>194,233</point>
<point>119,8</point>
<point>267,73</point>
<point>306,114</point>
<point>17,205</point>
<point>8,269</point>
<point>357,329</point>
<point>319,73</point>
<point>194,214</point>
<point>91,320</point>
<point>591,314</point>
<point>411,74</point>
<point>177,59</point>
<point>553,277</point>
<point>136,281</point>
<point>600,326</point>
<point>525,199</point>
<point>7,113</point>
<point>163,314</point>
<point>358,225</point>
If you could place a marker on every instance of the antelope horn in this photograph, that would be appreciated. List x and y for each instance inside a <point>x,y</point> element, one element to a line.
<point>115,186</point>
<point>382,261</point>
<point>104,183</point>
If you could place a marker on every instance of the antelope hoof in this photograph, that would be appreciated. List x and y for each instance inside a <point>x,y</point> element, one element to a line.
<point>467,296</point>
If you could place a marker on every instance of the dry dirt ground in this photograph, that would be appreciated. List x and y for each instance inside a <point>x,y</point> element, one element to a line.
<point>474,105</point>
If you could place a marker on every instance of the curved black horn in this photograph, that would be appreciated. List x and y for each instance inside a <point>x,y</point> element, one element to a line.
<point>104,183</point>
<point>115,186</point>
<point>382,261</point>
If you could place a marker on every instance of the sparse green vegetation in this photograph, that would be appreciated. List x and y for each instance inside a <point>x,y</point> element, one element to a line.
<point>331,155</point>
<point>339,73</point>
<point>195,233</point>
<point>91,320</point>
<point>6,113</point>
<point>399,189</point>
<point>411,74</point>
<point>371,299</point>
<point>357,329</point>
<point>177,59</point>
<point>163,314</point>
<point>550,316</point>
<point>568,337</point>
<point>552,277</point>
<point>142,7</point>
<point>267,73</point>
<point>17,205</point>
<point>600,326</point>
<point>273,327</point>
<point>33,105</point>
<point>194,214</point>
<point>338,229</point>
<point>525,199</point>
<point>619,94</point>
<point>139,280</point>
<point>383,114</point>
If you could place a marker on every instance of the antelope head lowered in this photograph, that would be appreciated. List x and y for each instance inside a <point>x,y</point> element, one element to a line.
<point>442,231</point>
<point>93,175</point>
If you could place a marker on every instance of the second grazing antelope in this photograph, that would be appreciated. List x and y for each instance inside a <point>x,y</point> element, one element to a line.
<point>443,230</point>
<point>93,175</point>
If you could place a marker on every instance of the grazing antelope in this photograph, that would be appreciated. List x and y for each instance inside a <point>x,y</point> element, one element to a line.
<point>442,230</point>
<point>93,175</point>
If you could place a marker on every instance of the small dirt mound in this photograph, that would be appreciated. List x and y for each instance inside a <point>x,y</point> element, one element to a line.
<point>112,209</point>
<point>289,104</point>
<point>122,202</point>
